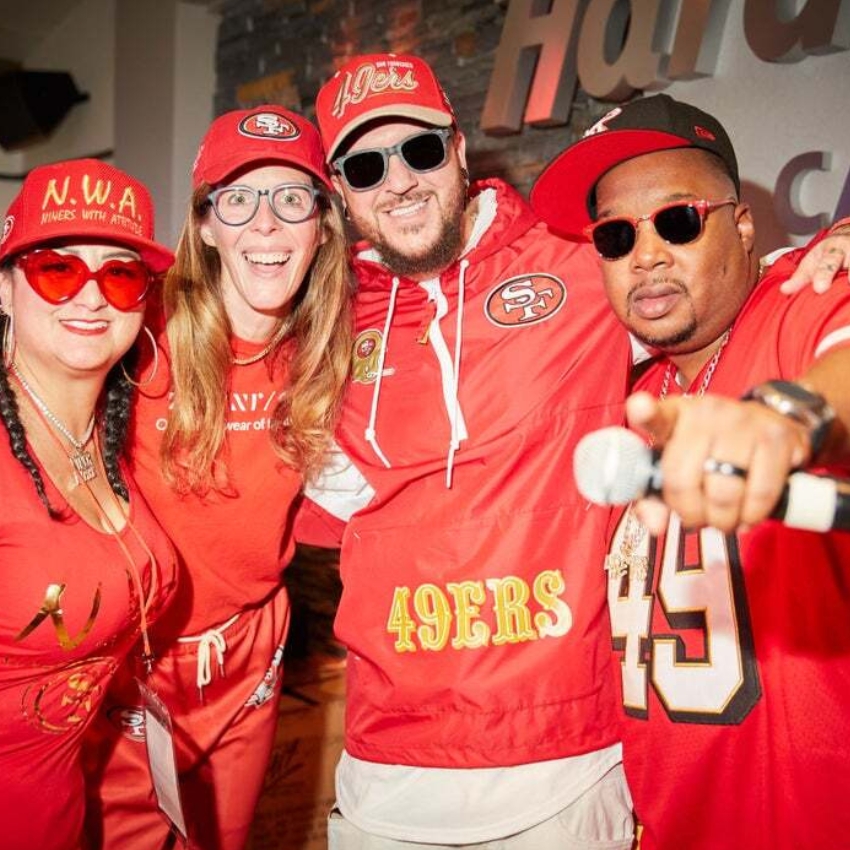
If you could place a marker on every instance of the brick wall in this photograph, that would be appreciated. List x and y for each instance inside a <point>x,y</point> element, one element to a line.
<point>283,50</point>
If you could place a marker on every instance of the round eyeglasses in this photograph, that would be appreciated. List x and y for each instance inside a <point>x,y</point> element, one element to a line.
<point>290,202</point>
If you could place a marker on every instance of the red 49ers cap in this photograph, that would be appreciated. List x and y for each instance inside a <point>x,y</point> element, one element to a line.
<point>264,134</point>
<point>83,200</point>
<point>379,85</point>
<point>562,193</point>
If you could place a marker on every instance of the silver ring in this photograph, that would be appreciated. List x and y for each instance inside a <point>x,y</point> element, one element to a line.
<point>723,467</point>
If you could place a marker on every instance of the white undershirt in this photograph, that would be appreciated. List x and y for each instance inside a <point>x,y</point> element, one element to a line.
<point>463,805</point>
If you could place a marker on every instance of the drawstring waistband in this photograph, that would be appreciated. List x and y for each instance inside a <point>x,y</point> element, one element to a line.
<point>211,640</point>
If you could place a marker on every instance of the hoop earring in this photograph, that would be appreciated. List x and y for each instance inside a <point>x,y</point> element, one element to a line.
<point>9,340</point>
<point>152,375</point>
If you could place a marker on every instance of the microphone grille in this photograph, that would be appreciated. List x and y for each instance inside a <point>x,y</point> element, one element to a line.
<point>612,466</point>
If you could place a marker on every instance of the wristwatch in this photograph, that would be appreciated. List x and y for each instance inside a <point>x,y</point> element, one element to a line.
<point>796,402</point>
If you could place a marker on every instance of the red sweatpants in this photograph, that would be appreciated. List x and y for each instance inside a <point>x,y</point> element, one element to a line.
<point>223,741</point>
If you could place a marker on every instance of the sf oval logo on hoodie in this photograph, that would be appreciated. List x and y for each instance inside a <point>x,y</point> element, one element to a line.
<point>525,300</point>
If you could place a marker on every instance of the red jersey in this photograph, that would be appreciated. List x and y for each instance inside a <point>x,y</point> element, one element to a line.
<point>70,614</point>
<point>734,651</point>
<point>472,606</point>
<point>232,546</point>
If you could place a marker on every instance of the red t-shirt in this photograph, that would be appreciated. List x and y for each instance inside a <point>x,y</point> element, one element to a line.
<point>69,616</point>
<point>232,546</point>
<point>734,651</point>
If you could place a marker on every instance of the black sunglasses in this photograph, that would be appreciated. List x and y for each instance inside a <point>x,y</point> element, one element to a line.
<point>677,223</point>
<point>420,152</point>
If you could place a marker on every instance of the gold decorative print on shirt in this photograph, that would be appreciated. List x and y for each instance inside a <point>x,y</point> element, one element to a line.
<point>66,701</point>
<point>52,607</point>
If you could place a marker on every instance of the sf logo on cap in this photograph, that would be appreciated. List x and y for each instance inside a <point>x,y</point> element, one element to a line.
<point>268,125</point>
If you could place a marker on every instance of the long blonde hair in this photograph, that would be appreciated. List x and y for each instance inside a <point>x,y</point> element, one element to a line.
<point>317,342</point>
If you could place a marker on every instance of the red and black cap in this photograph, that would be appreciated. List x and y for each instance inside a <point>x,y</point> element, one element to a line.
<point>562,193</point>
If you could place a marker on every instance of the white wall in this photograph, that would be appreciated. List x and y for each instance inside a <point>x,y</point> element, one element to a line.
<point>773,112</point>
<point>84,46</point>
<point>163,74</point>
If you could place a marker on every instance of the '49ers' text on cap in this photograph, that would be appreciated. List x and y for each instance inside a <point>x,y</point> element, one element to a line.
<point>379,85</point>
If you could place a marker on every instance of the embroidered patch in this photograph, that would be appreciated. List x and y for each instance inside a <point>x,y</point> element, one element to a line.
<point>365,356</point>
<point>268,125</point>
<point>525,300</point>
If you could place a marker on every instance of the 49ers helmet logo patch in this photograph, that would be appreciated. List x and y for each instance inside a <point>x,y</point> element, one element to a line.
<point>268,125</point>
<point>525,300</point>
<point>365,357</point>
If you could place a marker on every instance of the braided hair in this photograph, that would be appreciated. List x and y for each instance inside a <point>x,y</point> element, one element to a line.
<point>117,406</point>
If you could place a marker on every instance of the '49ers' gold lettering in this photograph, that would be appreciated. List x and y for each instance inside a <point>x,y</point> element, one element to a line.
<point>474,614</point>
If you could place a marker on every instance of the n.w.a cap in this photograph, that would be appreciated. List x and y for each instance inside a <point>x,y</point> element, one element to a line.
<point>83,200</point>
<point>562,192</point>
<point>264,134</point>
<point>379,85</point>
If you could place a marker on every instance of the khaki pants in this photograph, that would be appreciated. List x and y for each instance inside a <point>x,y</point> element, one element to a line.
<point>601,819</point>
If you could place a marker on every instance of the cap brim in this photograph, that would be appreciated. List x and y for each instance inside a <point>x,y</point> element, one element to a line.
<point>435,117</point>
<point>559,196</point>
<point>226,168</point>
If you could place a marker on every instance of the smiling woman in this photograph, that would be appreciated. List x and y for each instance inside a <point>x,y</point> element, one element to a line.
<point>254,329</point>
<point>84,568</point>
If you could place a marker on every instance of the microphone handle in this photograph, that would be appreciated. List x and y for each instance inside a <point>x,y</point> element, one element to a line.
<point>814,503</point>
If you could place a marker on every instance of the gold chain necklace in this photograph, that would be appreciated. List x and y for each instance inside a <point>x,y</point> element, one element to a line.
<point>264,352</point>
<point>631,559</point>
<point>709,371</point>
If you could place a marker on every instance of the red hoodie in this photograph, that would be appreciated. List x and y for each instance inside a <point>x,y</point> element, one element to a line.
<point>474,600</point>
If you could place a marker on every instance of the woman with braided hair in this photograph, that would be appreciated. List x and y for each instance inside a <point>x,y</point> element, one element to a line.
<point>84,567</point>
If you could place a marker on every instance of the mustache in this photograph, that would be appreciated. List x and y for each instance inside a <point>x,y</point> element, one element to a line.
<point>412,197</point>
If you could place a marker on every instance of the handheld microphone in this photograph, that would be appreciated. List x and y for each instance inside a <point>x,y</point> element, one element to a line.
<point>613,466</point>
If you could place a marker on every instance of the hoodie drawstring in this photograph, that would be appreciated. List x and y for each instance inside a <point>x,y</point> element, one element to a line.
<point>456,416</point>
<point>369,434</point>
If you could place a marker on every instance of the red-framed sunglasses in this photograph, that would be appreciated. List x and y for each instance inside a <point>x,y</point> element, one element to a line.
<point>59,277</point>
<point>677,223</point>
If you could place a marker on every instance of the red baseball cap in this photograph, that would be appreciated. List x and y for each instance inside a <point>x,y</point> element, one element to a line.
<point>380,85</point>
<point>267,133</point>
<point>562,193</point>
<point>84,200</point>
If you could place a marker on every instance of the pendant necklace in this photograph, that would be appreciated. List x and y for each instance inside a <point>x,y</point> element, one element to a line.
<point>628,560</point>
<point>81,459</point>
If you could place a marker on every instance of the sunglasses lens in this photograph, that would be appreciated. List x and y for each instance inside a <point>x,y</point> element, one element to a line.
<point>59,277</point>
<point>679,224</point>
<point>614,239</point>
<point>53,276</point>
<point>364,170</point>
<point>124,283</point>
<point>424,152</point>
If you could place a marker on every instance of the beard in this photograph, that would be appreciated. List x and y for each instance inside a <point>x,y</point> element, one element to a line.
<point>440,254</point>
<point>669,341</point>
